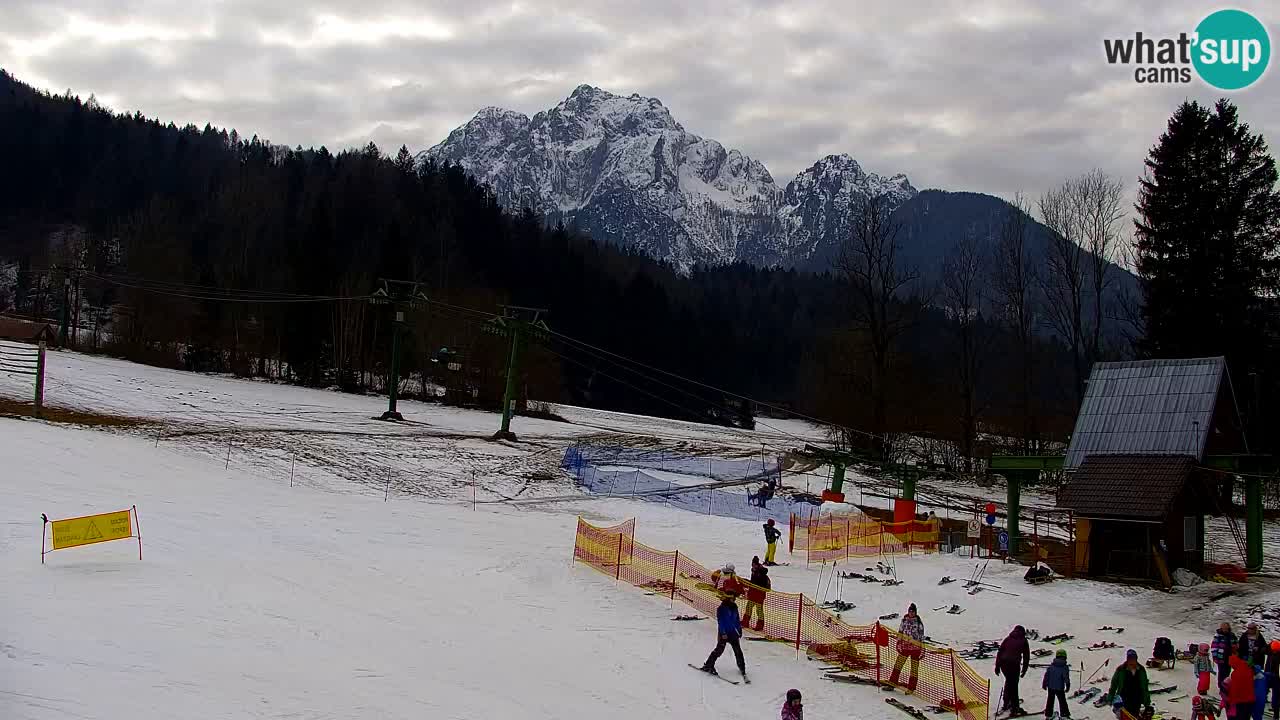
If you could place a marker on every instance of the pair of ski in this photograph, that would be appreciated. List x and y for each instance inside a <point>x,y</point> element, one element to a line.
<point>916,713</point>
<point>700,669</point>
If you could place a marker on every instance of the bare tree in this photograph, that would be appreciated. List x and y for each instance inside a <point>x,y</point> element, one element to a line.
<point>962,292</point>
<point>1126,311</point>
<point>1015,279</point>
<point>1082,216</point>
<point>1100,210</point>
<point>882,306</point>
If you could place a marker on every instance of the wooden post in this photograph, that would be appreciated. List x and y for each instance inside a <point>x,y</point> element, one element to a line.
<point>228,465</point>
<point>40,379</point>
<point>292,464</point>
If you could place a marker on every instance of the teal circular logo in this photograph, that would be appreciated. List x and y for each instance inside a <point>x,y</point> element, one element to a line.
<point>1232,49</point>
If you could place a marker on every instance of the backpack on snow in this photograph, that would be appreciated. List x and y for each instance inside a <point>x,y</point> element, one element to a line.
<point>1163,649</point>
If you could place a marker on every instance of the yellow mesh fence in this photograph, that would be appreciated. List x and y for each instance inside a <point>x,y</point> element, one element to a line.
<point>871,653</point>
<point>824,538</point>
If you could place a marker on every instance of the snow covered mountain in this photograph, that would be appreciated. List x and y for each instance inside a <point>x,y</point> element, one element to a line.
<point>623,170</point>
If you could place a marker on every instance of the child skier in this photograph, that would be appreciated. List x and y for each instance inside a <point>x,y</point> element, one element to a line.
<point>1202,709</point>
<point>1202,668</point>
<point>1259,692</point>
<point>730,633</point>
<point>910,647</point>
<point>1057,681</point>
<point>792,709</point>
<point>771,535</point>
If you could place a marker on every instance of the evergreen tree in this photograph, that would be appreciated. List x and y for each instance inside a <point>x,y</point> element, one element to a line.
<point>1207,239</point>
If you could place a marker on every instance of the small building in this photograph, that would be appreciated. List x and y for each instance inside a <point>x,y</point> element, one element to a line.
<point>1135,476</point>
<point>27,331</point>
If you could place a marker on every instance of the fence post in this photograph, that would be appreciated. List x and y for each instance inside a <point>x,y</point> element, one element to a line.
<point>618,568</point>
<point>876,637</point>
<point>674,566</point>
<point>799,619</point>
<point>955,690</point>
<point>40,379</point>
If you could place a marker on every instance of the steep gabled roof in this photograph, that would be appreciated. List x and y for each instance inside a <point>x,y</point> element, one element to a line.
<point>1129,487</point>
<point>1155,407</point>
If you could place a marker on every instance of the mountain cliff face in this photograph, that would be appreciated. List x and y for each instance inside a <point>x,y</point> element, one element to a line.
<point>623,170</point>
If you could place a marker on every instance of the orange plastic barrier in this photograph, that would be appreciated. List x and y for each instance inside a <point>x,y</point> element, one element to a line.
<point>840,537</point>
<point>873,653</point>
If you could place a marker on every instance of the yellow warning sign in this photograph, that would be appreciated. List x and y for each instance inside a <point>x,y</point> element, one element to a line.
<point>92,529</point>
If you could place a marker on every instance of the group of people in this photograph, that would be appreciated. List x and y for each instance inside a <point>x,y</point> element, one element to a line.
<point>729,623</point>
<point>1247,667</point>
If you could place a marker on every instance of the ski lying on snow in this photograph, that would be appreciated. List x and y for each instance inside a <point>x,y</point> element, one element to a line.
<point>716,675</point>
<point>913,712</point>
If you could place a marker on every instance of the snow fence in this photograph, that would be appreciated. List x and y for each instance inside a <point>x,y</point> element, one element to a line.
<point>871,654</point>
<point>825,538</point>
<point>621,471</point>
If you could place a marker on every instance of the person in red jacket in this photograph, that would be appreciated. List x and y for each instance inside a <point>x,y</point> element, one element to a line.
<point>1240,691</point>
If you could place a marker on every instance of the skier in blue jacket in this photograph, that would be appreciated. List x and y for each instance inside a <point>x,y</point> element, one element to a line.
<point>730,629</point>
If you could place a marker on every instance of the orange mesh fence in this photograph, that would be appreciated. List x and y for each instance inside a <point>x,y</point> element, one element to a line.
<point>826,538</point>
<point>871,652</point>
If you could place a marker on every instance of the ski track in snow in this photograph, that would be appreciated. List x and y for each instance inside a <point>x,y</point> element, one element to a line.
<point>323,600</point>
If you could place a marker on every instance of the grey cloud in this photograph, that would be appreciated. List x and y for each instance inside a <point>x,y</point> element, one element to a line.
<point>990,96</point>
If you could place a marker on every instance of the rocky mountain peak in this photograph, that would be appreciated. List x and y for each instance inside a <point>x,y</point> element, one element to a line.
<point>622,169</point>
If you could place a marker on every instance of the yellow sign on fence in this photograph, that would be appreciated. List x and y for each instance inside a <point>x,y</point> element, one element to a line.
<point>90,529</point>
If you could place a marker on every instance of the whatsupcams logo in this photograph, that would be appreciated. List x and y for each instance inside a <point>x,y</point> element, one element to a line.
<point>1229,50</point>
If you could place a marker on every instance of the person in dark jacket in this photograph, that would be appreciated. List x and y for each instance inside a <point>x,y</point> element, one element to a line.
<point>1223,647</point>
<point>771,535</point>
<point>755,594</point>
<point>1253,646</point>
<point>1273,677</point>
<point>1129,685</point>
<point>1011,662</point>
<point>1057,681</point>
<point>730,633</point>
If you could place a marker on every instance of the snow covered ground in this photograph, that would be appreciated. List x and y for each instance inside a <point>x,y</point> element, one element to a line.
<point>335,599</point>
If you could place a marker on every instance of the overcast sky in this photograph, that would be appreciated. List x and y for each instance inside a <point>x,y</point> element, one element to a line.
<point>966,95</point>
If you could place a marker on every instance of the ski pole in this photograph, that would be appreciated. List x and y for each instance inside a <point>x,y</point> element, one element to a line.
<point>819,587</point>
<point>1095,672</point>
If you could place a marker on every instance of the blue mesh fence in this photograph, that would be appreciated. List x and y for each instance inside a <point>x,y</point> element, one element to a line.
<point>607,470</point>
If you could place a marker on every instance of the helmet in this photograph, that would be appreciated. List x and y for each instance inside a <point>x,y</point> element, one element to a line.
<point>1275,646</point>
<point>728,569</point>
<point>1204,647</point>
<point>1062,653</point>
<point>769,521</point>
<point>793,694</point>
<point>1131,654</point>
<point>1195,701</point>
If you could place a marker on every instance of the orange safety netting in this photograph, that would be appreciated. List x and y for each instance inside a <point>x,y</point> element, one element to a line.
<point>870,653</point>
<point>839,537</point>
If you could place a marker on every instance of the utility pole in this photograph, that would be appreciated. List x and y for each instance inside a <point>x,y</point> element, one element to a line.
<point>517,323</point>
<point>403,296</point>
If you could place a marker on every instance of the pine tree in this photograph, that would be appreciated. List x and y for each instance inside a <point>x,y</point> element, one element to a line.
<point>1207,239</point>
